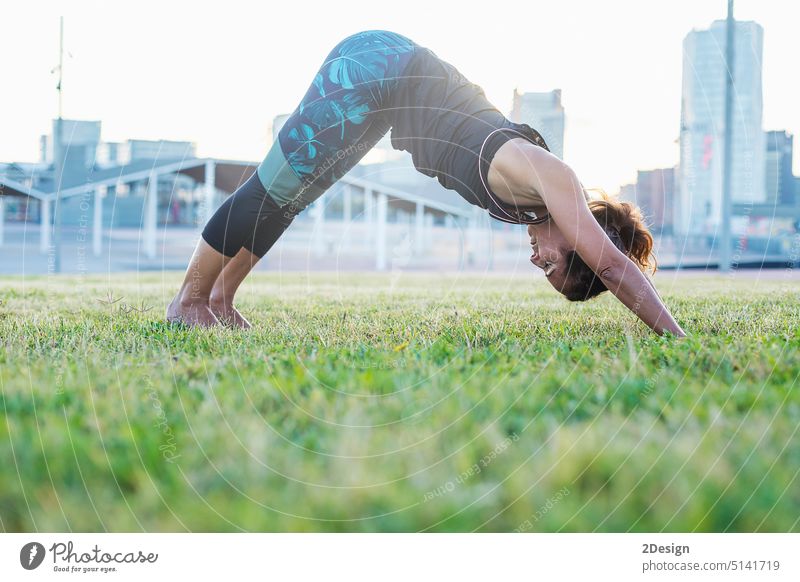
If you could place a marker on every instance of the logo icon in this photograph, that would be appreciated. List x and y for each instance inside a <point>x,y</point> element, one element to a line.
<point>31,555</point>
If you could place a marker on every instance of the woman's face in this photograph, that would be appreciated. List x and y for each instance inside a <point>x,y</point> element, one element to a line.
<point>550,250</point>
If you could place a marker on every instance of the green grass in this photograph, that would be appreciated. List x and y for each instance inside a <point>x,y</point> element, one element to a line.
<point>382,403</point>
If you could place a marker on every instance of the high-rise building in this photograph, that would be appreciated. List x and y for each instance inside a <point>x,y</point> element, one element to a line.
<point>544,113</point>
<point>79,139</point>
<point>654,194</point>
<point>778,179</point>
<point>83,147</point>
<point>703,125</point>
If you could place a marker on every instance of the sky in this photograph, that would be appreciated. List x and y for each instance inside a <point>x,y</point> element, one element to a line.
<point>217,73</point>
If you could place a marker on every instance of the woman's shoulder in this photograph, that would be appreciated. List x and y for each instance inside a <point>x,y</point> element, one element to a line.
<point>525,131</point>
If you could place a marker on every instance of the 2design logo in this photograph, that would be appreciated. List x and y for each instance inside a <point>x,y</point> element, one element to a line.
<point>31,555</point>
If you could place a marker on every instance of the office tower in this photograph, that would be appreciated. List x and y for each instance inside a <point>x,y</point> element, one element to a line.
<point>654,194</point>
<point>703,125</point>
<point>778,179</point>
<point>544,113</point>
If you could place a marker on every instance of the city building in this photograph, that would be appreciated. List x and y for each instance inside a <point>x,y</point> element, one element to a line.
<point>778,178</point>
<point>544,113</point>
<point>81,139</point>
<point>796,190</point>
<point>86,156</point>
<point>654,193</point>
<point>703,125</point>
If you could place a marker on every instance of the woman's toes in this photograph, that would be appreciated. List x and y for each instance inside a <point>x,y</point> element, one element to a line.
<point>191,314</point>
<point>229,315</point>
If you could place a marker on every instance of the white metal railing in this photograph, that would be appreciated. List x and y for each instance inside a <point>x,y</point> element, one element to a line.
<point>377,198</point>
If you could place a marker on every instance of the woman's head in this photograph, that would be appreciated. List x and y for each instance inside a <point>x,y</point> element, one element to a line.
<point>567,272</point>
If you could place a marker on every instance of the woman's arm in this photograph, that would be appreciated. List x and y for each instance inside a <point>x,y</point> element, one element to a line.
<point>527,169</point>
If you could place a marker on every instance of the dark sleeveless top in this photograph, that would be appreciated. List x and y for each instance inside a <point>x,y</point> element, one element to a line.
<point>453,132</point>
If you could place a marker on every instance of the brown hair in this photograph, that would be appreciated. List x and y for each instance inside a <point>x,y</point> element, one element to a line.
<point>626,228</point>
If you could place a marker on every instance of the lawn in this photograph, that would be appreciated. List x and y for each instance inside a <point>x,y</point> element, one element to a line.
<point>398,402</point>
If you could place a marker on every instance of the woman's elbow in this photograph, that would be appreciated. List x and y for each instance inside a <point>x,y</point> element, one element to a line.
<point>612,272</point>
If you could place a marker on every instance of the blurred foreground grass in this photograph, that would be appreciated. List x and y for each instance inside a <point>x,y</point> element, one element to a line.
<point>384,403</point>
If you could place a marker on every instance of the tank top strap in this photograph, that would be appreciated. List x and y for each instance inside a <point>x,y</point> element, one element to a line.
<point>496,138</point>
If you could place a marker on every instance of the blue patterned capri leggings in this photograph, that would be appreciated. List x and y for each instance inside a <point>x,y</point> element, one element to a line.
<point>341,117</point>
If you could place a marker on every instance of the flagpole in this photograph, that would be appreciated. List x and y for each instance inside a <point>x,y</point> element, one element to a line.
<point>727,203</point>
<point>58,156</point>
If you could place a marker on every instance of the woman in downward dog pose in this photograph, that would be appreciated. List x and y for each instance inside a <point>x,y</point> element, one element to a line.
<point>375,81</point>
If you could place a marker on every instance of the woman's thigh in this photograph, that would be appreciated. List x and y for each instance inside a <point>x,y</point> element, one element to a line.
<point>341,117</point>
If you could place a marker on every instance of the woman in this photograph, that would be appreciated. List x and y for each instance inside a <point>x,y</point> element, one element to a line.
<point>374,81</point>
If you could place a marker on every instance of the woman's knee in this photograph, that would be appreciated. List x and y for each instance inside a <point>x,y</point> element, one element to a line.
<point>229,226</point>
<point>267,232</point>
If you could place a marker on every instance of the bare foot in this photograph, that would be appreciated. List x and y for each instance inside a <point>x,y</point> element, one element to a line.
<point>228,314</point>
<point>191,313</point>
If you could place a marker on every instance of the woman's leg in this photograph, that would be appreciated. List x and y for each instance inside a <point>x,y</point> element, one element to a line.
<point>221,299</point>
<point>234,273</point>
<point>190,305</point>
<point>231,226</point>
<point>338,121</point>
